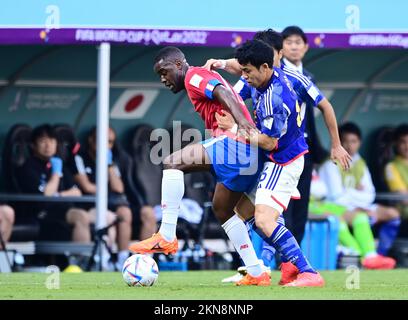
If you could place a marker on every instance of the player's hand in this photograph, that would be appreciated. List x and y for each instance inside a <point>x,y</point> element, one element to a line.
<point>225,120</point>
<point>247,127</point>
<point>212,64</point>
<point>56,166</point>
<point>341,156</point>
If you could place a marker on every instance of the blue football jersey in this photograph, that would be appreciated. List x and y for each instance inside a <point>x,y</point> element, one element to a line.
<point>308,94</point>
<point>278,115</point>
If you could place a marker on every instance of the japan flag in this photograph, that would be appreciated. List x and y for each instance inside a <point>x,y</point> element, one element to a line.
<point>133,104</point>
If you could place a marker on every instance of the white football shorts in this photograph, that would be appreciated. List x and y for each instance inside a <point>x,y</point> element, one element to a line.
<point>278,184</point>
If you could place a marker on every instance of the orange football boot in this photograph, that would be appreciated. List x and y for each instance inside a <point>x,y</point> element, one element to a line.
<point>262,280</point>
<point>154,244</point>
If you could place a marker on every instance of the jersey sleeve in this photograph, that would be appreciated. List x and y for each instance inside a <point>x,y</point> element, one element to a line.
<point>275,115</point>
<point>200,83</point>
<point>307,91</point>
<point>243,89</point>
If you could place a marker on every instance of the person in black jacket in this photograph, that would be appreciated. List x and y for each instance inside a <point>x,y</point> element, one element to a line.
<point>85,176</point>
<point>295,47</point>
<point>43,173</point>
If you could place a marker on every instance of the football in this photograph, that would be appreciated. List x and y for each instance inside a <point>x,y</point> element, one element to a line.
<point>140,270</point>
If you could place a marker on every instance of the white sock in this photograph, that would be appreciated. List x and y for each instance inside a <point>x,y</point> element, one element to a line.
<point>238,234</point>
<point>172,193</point>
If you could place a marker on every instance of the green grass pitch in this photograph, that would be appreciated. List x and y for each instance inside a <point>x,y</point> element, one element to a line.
<point>202,285</point>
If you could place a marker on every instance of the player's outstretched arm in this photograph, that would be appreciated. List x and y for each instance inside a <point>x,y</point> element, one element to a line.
<point>262,140</point>
<point>337,153</point>
<point>230,65</point>
<point>226,121</point>
<point>231,104</point>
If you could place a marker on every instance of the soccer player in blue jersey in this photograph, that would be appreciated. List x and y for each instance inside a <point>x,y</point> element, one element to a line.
<point>234,162</point>
<point>308,94</point>
<point>279,124</point>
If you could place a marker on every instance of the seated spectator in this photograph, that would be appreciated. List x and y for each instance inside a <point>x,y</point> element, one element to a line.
<point>85,176</point>
<point>6,223</point>
<point>396,171</point>
<point>43,173</point>
<point>353,190</point>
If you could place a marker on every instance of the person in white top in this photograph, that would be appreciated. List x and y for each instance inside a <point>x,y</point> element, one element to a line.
<point>354,191</point>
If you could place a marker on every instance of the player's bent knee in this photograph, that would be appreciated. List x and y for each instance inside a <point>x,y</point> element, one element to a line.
<point>265,218</point>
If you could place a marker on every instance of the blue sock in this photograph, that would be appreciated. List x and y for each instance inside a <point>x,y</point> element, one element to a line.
<point>281,220</point>
<point>387,234</point>
<point>268,251</point>
<point>249,223</point>
<point>286,244</point>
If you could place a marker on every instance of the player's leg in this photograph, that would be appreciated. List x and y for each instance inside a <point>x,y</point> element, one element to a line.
<point>364,236</point>
<point>224,202</point>
<point>7,218</point>
<point>346,238</point>
<point>246,209</point>
<point>189,159</point>
<point>275,188</point>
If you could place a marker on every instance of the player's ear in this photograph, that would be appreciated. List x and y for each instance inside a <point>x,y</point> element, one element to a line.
<point>264,67</point>
<point>306,47</point>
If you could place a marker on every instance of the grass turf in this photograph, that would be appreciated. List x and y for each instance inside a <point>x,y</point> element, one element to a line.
<point>202,285</point>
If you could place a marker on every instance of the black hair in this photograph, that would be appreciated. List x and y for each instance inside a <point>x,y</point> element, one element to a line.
<point>169,53</point>
<point>400,131</point>
<point>255,52</point>
<point>350,127</point>
<point>270,37</point>
<point>294,30</point>
<point>44,130</point>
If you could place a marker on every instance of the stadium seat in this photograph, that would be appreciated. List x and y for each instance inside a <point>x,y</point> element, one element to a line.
<point>125,164</point>
<point>15,152</point>
<point>146,175</point>
<point>68,144</point>
<point>380,154</point>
